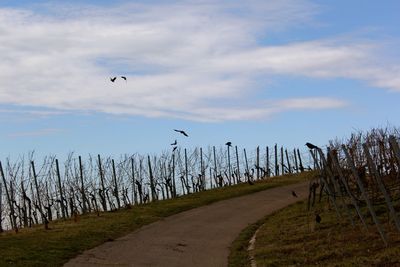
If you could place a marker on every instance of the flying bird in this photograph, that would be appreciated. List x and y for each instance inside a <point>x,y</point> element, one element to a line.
<point>113,79</point>
<point>228,143</point>
<point>175,147</point>
<point>182,132</point>
<point>123,77</point>
<point>311,146</point>
<point>294,194</point>
<point>174,143</point>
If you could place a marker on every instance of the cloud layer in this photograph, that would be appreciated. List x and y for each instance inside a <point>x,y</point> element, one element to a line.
<point>181,59</point>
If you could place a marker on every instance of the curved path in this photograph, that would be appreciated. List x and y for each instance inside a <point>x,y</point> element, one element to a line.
<point>197,237</point>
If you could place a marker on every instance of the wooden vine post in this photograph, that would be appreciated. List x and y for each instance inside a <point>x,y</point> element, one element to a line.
<point>12,216</point>
<point>84,199</point>
<point>364,194</point>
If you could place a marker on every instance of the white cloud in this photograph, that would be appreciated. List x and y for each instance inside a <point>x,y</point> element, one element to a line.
<point>311,103</point>
<point>178,58</point>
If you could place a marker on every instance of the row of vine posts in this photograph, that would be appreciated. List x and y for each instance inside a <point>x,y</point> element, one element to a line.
<point>32,194</point>
<point>360,176</point>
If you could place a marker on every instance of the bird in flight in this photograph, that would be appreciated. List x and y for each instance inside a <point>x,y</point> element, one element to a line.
<point>174,143</point>
<point>123,77</point>
<point>311,146</point>
<point>228,143</point>
<point>182,132</point>
<point>294,194</point>
<point>113,79</point>
<point>175,147</point>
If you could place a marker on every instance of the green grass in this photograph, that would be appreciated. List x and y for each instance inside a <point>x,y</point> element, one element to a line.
<point>290,237</point>
<point>67,239</point>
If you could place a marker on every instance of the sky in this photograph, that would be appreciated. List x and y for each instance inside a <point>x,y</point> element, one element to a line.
<point>250,72</point>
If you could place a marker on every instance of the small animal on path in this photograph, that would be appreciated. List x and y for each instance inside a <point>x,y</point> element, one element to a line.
<point>318,218</point>
<point>294,194</point>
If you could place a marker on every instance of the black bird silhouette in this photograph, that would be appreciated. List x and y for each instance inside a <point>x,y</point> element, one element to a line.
<point>175,147</point>
<point>294,194</point>
<point>182,132</point>
<point>174,143</point>
<point>113,79</point>
<point>318,218</point>
<point>311,146</point>
<point>228,143</point>
<point>123,77</point>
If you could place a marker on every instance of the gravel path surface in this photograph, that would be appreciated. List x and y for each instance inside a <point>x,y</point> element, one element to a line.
<point>197,237</point>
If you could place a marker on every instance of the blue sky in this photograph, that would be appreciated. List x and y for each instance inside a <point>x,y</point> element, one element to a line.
<point>250,72</point>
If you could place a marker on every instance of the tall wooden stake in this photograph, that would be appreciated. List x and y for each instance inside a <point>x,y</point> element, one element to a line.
<point>1,210</point>
<point>229,167</point>
<point>295,160</point>
<point>103,188</point>
<point>215,167</point>
<point>116,190</point>
<point>382,187</point>
<point>173,173</point>
<point>276,160</point>
<point>60,188</point>
<point>84,199</point>
<point>152,187</point>
<point>187,172</point>
<point>247,164</point>
<point>326,184</point>
<point>282,162</point>
<point>267,169</point>
<point>288,162</point>
<point>395,148</point>
<point>44,219</point>
<point>10,203</point>
<point>365,194</point>
<point>237,165</point>
<point>344,182</point>
<point>135,199</point>
<point>258,162</point>
<point>202,170</point>
<point>301,167</point>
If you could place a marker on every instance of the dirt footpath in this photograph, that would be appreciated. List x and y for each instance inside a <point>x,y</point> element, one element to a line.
<point>198,237</point>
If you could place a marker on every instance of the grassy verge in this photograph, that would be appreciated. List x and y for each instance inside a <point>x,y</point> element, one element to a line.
<point>290,237</point>
<point>66,239</point>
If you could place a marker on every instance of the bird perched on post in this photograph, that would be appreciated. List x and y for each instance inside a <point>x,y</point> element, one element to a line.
<point>311,146</point>
<point>182,132</point>
<point>294,194</point>
<point>113,79</point>
<point>228,143</point>
<point>175,147</point>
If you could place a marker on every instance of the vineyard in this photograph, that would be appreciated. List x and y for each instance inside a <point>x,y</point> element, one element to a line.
<point>361,179</point>
<point>33,193</point>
